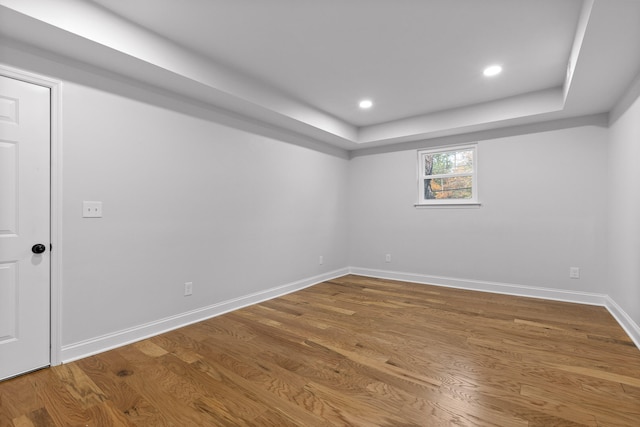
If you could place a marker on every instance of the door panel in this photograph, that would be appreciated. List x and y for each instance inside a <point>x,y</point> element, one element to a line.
<point>24,221</point>
<point>8,302</point>
<point>8,187</point>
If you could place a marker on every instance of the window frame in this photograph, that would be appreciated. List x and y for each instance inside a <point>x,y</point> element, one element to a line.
<point>473,201</point>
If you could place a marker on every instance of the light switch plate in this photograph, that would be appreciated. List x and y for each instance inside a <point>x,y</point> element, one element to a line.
<point>91,209</point>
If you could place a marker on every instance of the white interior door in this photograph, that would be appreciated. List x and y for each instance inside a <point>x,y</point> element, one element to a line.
<point>24,223</point>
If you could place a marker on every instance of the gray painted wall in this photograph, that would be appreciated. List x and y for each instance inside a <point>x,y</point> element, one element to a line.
<point>185,199</point>
<point>542,212</point>
<point>624,210</point>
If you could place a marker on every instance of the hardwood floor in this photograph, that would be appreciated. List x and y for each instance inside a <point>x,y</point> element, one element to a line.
<point>354,351</point>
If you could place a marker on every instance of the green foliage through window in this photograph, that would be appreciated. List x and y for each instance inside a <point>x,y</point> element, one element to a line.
<point>447,175</point>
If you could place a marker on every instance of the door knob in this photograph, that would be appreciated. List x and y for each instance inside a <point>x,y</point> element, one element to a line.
<point>38,248</point>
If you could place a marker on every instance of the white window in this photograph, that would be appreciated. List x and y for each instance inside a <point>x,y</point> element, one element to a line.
<point>447,176</point>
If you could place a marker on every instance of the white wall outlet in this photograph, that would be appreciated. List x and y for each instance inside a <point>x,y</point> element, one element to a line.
<point>574,272</point>
<point>91,209</point>
<point>321,260</point>
<point>387,258</point>
<point>188,288</point>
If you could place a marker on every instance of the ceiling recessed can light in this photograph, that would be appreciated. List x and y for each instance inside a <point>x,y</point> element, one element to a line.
<point>492,70</point>
<point>366,103</point>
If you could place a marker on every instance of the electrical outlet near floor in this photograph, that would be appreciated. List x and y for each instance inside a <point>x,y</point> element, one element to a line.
<point>574,272</point>
<point>387,258</point>
<point>321,260</point>
<point>188,289</point>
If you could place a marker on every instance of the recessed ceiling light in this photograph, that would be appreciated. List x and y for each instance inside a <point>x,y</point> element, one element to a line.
<point>366,103</point>
<point>492,70</point>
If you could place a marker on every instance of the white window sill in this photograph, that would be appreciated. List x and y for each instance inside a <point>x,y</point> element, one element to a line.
<point>471,205</point>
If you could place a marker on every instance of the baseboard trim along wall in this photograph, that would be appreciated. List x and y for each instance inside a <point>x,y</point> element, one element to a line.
<point>630,327</point>
<point>107,342</point>
<point>110,341</point>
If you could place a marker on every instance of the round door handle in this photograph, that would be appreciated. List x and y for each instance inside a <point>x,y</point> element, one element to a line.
<point>38,248</point>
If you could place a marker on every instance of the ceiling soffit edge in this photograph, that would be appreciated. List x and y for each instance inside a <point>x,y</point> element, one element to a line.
<point>165,63</point>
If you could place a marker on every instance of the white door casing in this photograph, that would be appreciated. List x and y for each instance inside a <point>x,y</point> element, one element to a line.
<point>24,222</point>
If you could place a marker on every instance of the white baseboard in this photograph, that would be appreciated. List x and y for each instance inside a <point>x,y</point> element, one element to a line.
<point>482,286</point>
<point>630,327</point>
<point>106,342</point>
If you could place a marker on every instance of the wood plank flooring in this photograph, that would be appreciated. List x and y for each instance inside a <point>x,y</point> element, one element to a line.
<point>354,351</point>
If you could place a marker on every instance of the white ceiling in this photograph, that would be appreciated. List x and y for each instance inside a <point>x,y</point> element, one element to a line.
<point>303,65</point>
<point>411,57</point>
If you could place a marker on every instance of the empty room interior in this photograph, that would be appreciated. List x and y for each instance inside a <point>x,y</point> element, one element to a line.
<point>318,213</point>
